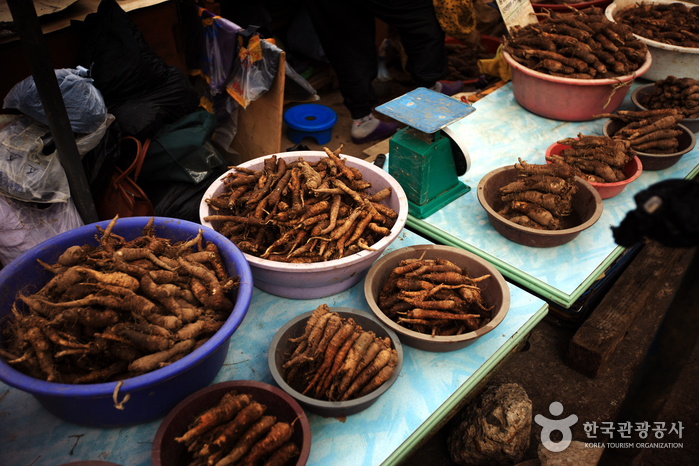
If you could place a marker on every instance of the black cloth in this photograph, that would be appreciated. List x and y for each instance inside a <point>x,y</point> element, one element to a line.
<point>347,30</point>
<point>667,212</point>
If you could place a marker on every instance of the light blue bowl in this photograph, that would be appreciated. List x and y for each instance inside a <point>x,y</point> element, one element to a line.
<point>151,395</point>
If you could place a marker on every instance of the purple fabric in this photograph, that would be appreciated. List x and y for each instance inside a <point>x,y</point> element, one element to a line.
<point>217,48</point>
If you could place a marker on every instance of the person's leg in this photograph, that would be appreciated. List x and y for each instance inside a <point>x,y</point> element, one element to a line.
<point>346,30</point>
<point>422,38</point>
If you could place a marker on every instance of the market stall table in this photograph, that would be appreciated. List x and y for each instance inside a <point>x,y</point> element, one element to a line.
<point>497,134</point>
<point>430,387</point>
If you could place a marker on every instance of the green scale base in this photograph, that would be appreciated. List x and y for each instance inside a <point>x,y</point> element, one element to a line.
<point>425,210</point>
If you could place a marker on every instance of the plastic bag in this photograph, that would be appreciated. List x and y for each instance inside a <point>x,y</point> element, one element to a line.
<point>23,225</point>
<point>142,91</point>
<point>181,199</point>
<point>667,212</point>
<point>253,70</point>
<point>84,103</point>
<point>182,151</point>
<point>26,174</point>
<point>212,48</point>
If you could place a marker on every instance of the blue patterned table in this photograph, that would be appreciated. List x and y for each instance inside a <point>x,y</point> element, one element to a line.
<point>498,133</point>
<point>429,387</point>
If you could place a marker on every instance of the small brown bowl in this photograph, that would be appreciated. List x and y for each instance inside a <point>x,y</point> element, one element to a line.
<point>654,162</point>
<point>494,290</point>
<point>587,209</point>
<point>280,345</point>
<point>692,124</point>
<point>167,452</point>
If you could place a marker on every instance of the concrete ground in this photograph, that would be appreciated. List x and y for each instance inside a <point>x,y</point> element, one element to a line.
<point>539,366</point>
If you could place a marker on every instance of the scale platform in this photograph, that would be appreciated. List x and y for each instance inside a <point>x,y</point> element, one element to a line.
<point>425,110</point>
<point>424,159</point>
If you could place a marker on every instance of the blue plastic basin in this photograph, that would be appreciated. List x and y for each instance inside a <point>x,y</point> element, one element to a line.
<point>151,395</point>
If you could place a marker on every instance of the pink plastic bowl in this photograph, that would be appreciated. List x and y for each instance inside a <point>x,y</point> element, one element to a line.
<point>632,170</point>
<point>318,279</point>
<point>568,99</point>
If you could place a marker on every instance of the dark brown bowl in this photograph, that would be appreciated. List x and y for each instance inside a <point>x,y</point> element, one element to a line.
<point>692,124</point>
<point>280,345</point>
<point>167,452</point>
<point>494,290</point>
<point>654,162</point>
<point>587,209</point>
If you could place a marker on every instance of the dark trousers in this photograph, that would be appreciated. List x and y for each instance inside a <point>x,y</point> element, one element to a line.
<point>346,29</point>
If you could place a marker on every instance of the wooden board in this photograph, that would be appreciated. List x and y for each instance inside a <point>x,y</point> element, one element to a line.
<point>260,125</point>
<point>159,24</point>
<point>376,149</point>
<point>77,11</point>
<point>599,336</point>
<point>42,7</point>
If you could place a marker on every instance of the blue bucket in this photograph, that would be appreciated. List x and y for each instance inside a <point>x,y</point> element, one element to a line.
<point>151,395</point>
<point>310,120</point>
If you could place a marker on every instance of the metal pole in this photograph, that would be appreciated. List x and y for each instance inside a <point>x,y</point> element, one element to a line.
<point>32,39</point>
<point>670,350</point>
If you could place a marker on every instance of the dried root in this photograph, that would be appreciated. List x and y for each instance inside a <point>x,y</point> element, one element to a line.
<point>304,211</point>
<point>674,24</point>
<point>119,310</point>
<point>435,297</point>
<point>650,131</point>
<point>238,430</point>
<point>335,358</point>
<point>580,44</point>
<point>541,197</point>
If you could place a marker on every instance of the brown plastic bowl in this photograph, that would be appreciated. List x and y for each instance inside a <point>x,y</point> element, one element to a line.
<point>167,452</point>
<point>587,209</point>
<point>654,162</point>
<point>692,124</point>
<point>495,293</point>
<point>280,345</point>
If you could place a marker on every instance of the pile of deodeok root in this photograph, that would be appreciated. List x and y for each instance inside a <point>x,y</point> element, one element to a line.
<point>301,212</point>
<point>649,131</point>
<point>580,44</point>
<point>238,431</point>
<point>599,159</point>
<point>436,297</point>
<point>119,310</point>
<point>540,197</point>
<point>672,92</point>
<point>669,23</point>
<point>336,360</point>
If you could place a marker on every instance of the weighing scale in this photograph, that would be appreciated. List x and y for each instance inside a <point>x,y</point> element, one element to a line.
<point>423,157</point>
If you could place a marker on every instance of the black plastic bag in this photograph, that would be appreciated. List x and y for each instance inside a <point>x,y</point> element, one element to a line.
<point>667,212</point>
<point>180,199</point>
<point>139,88</point>
<point>182,151</point>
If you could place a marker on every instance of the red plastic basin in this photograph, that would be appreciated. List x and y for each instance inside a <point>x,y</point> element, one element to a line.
<point>632,170</point>
<point>568,99</point>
